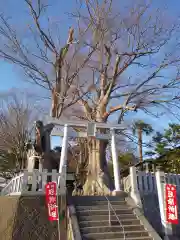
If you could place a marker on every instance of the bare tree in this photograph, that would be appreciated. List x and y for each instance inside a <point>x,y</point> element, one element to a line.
<point>43,61</point>
<point>16,123</point>
<point>129,71</point>
<point>117,61</point>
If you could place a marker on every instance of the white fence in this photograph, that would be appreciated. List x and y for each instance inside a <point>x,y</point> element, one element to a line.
<point>33,183</point>
<point>142,185</point>
<point>145,182</point>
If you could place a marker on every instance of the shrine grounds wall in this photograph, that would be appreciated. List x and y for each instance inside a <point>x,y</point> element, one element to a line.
<point>25,218</point>
<point>146,184</point>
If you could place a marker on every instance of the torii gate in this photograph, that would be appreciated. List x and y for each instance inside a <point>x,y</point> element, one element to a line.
<point>91,132</point>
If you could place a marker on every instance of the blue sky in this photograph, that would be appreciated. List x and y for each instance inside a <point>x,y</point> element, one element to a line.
<point>11,77</point>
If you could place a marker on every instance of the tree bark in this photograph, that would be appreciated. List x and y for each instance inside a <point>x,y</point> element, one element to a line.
<point>98,181</point>
<point>140,145</point>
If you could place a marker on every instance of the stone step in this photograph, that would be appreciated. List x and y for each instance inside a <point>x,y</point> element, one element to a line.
<point>106,229</point>
<point>113,235</point>
<point>103,207</point>
<point>98,202</point>
<point>129,238</point>
<point>100,197</point>
<point>87,212</point>
<point>124,222</point>
<point>105,217</point>
<point>90,199</point>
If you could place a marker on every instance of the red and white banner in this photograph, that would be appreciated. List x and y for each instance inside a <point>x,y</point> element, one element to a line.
<point>51,201</point>
<point>171,204</point>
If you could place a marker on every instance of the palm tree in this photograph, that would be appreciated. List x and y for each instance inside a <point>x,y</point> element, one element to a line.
<point>140,127</point>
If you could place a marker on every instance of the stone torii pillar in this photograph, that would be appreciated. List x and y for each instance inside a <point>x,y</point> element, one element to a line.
<point>115,161</point>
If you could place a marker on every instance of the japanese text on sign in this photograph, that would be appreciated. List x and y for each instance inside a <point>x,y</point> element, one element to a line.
<point>51,201</point>
<point>171,204</point>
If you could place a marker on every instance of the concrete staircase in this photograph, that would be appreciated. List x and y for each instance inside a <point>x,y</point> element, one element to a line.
<point>93,218</point>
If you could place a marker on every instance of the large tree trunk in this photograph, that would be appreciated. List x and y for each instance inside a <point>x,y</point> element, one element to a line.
<point>98,180</point>
<point>140,145</point>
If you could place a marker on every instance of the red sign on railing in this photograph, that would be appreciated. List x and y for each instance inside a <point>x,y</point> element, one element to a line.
<point>171,204</point>
<point>51,201</point>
